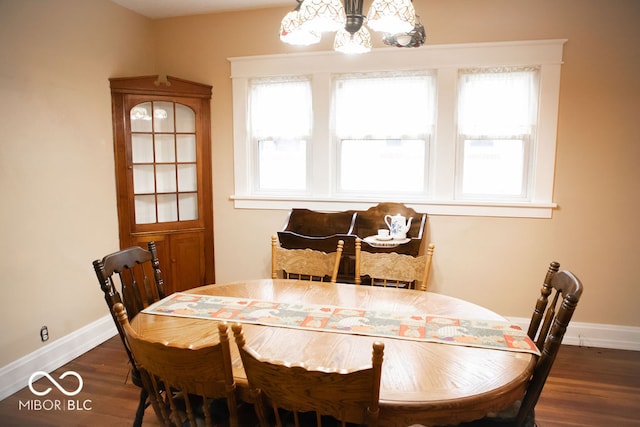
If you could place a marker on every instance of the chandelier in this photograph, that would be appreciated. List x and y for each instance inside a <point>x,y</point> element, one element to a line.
<point>395,19</point>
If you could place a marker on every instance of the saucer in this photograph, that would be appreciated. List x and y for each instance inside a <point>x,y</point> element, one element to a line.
<point>390,243</point>
<point>383,238</point>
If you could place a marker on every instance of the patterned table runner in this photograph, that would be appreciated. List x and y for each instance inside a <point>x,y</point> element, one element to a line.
<point>491,334</point>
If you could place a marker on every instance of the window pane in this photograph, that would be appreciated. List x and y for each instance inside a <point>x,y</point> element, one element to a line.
<point>497,103</point>
<point>280,108</point>
<point>493,167</point>
<point>143,179</point>
<point>282,165</point>
<point>167,208</point>
<point>165,148</point>
<point>187,177</point>
<point>145,209</point>
<point>280,122</point>
<point>166,178</point>
<point>382,125</point>
<point>188,205</point>
<point>497,114</point>
<point>185,119</point>
<point>186,148</point>
<point>389,166</point>
<point>163,116</point>
<point>142,148</point>
<point>140,116</point>
<point>388,106</point>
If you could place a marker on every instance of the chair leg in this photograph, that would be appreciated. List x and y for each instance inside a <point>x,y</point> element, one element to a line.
<point>142,405</point>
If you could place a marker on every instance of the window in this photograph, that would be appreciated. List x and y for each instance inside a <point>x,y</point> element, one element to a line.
<point>382,137</point>
<point>453,129</point>
<point>280,127</point>
<point>497,117</point>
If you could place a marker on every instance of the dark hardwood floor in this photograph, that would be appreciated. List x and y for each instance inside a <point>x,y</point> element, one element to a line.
<point>587,387</point>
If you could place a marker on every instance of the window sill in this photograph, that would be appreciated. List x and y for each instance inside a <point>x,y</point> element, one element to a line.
<point>451,208</point>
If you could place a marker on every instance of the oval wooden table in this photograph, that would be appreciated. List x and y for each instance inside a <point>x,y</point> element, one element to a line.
<point>422,383</point>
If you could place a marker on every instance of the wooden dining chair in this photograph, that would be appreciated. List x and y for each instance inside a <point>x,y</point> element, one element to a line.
<point>346,396</point>
<point>559,297</point>
<point>185,381</point>
<point>391,269</point>
<point>132,277</point>
<point>305,264</point>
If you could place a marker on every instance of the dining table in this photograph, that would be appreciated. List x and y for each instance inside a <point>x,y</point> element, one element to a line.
<point>423,382</point>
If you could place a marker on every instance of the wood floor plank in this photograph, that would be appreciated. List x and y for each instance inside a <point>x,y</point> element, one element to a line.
<point>591,387</point>
<point>587,387</point>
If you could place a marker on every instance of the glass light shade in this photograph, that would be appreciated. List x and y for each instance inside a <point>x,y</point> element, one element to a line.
<point>291,31</point>
<point>414,38</point>
<point>403,39</point>
<point>322,15</point>
<point>358,42</point>
<point>391,16</point>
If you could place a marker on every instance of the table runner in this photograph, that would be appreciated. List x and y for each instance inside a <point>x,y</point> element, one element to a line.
<point>492,334</point>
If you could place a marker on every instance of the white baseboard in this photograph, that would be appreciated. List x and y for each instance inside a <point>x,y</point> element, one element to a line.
<point>595,334</point>
<point>14,376</point>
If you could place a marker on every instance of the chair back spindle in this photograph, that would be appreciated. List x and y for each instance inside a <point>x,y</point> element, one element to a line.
<point>541,304</point>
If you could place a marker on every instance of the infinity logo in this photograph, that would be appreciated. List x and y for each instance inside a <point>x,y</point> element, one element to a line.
<point>55,383</point>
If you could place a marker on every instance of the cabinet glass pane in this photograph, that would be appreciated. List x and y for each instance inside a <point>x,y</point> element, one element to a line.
<point>143,179</point>
<point>145,209</point>
<point>163,116</point>
<point>187,177</point>
<point>186,148</point>
<point>167,208</point>
<point>166,178</point>
<point>142,148</point>
<point>188,206</point>
<point>140,116</point>
<point>185,119</point>
<point>165,149</point>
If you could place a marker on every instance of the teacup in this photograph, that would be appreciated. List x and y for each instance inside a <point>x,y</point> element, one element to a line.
<point>383,233</point>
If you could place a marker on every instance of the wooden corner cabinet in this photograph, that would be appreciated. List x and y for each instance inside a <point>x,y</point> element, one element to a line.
<point>162,147</point>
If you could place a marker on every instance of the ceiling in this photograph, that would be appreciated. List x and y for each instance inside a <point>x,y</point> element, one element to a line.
<point>155,9</point>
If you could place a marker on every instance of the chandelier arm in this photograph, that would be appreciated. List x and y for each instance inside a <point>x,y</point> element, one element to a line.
<point>355,18</point>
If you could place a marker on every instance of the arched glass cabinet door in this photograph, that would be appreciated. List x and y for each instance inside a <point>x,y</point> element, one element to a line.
<point>164,162</point>
<point>162,146</point>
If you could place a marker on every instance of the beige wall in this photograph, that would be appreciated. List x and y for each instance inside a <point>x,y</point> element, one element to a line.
<point>57,185</point>
<point>56,171</point>
<point>497,262</point>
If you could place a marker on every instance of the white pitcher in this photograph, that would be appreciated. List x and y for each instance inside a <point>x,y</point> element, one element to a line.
<point>398,225</point>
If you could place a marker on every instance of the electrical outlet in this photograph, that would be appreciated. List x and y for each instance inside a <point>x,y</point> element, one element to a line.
<point>44,333</point>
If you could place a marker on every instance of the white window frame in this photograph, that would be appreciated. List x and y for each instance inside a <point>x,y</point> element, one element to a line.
<point>445,60</point>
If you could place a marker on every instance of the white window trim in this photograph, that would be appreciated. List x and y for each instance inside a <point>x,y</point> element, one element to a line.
<point>446,60</point>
